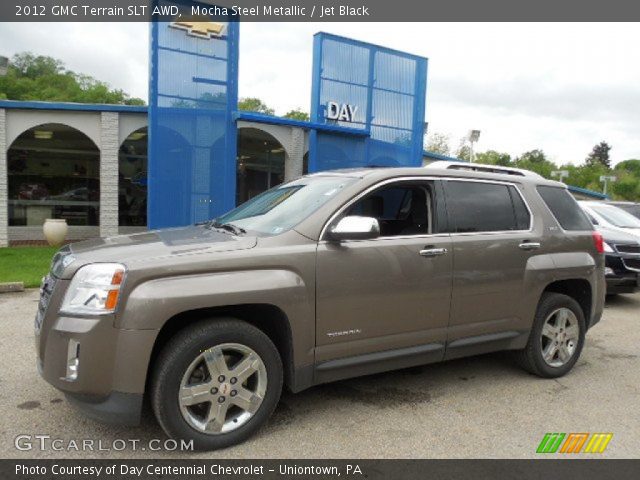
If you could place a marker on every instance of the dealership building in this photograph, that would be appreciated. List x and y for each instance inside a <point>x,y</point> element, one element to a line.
<point>191,155</point>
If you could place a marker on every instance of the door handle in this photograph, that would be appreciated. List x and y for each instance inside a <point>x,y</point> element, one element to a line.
<point>530,245</point>
<point>432,252</point>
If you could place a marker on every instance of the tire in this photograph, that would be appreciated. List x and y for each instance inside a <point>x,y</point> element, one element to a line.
<point>537,356</point>
<point>186,395</point>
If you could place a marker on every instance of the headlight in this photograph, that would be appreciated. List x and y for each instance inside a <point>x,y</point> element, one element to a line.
<point>94,289</point>
<point>607,247</point>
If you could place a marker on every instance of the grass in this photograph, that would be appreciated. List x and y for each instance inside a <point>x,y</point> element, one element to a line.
<point>25,264</point>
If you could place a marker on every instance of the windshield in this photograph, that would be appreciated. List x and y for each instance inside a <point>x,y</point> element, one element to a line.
<point>616,216</point>
<point>283,207</point>
<point>633,209</point>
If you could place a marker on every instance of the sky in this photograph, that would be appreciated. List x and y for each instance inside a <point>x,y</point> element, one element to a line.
<point>560,87</point>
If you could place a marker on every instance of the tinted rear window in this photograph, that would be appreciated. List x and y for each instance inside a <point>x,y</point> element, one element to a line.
<point>485,207</point>
<point>564,207</point>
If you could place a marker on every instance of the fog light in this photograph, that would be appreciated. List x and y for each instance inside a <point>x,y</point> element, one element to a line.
<point>73,360</point>
<point>608,271</point>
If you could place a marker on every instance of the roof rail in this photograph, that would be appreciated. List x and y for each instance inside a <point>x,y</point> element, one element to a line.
<point>478,167</point>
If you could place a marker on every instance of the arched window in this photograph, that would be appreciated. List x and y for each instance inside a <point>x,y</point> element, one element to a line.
<point>132,180</point>
<point>53,172</point>
<point>260,163</point>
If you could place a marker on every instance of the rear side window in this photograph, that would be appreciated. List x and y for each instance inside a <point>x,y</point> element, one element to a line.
<point>564,207</point>
<point>485,207</point>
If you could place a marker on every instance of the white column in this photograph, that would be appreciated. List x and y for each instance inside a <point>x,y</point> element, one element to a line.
<point>4,198</point>
<point>294,161</point>
<point>109,146</point>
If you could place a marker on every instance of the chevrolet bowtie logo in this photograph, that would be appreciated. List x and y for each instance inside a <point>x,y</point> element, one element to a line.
<point>201,29</point>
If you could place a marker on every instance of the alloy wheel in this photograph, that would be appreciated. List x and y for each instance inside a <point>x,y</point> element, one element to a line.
<point>222,388</point>
<point>560,337</point>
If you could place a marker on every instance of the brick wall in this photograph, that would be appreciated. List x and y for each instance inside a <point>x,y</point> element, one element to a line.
<point>4,210</point>
<point>293,167</point>
<point>109,174</point>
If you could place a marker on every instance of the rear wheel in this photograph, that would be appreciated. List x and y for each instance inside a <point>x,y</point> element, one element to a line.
<point>216,383</point>
<point>556,338</point>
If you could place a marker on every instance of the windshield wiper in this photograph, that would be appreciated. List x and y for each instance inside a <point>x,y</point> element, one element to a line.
<point>229,227</point>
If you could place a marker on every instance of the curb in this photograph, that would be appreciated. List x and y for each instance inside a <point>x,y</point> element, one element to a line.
<point>11,287</point>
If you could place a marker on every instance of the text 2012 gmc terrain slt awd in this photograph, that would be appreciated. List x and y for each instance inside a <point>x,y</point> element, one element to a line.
<point>330,276</point>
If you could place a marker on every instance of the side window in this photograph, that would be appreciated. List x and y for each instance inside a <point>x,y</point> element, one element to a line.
<point>523,217</point>
<point>566,210</point>
<point>401,209</point>
<point>484,207</point>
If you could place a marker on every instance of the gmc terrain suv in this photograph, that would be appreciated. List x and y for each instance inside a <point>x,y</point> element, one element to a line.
<point>330,276</point>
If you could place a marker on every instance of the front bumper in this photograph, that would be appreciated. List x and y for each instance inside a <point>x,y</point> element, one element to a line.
<point>117,408</point>
<point>112,362</point>
<point>622,284</point>
<point>621,279</point>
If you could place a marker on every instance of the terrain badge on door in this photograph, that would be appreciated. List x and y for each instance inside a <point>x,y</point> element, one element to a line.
<point>343,333</point>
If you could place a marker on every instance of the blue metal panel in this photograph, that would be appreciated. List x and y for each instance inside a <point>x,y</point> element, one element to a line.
<point>290,122</point>
<point>192,134</point>
<point>387,87</point>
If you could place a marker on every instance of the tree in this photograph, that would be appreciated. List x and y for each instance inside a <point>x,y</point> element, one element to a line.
<point>600,154</point>
<point>491,157</point>
<point>31,77</point>
<point>536,161</point>
<point>630,166</point>
<point>585,176</point>
<point>297,114</point>
<point>438,143</point>
<point>627,186</point>
<point>464,151</point>
<point>532,156</point>
<point>30,66</point>
<point>253,104</point>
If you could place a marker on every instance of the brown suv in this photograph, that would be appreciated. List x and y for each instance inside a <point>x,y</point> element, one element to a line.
<point>331,276</point>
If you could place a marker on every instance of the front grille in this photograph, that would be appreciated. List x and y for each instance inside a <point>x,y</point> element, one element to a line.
<point>632,263</point>
<point>628,248</point>
<point>46,289</point>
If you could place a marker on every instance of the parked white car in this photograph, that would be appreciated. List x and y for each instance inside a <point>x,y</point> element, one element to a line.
<point>611,217</point>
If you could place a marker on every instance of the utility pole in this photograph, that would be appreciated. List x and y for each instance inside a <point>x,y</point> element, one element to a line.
<point>606,179</point>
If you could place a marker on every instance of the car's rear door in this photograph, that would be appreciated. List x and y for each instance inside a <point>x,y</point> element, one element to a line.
<point>492,240</point>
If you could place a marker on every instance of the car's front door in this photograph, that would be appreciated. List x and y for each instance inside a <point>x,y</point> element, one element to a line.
<point>384,303</point>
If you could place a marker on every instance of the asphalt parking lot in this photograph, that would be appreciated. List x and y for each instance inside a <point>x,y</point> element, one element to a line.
<point>481,407</point>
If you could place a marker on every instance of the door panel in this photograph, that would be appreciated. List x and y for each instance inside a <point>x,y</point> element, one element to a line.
<point>381,294</point>
<point>391,292</point>
<point>487,282</point>
<point>488,266</point>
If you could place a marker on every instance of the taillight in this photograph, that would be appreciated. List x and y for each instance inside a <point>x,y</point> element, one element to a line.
<point>598,241</point>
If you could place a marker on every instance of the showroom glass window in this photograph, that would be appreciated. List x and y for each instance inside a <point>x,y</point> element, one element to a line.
<point>132,180</point>
<point>485,207</point>
<point>53,172</point>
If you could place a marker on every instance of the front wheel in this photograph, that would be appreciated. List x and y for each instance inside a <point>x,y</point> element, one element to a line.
<point>216,383</point>
<point>556,338</point>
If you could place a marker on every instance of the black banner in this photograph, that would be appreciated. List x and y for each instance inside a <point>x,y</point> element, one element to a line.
<point>320,10</point>
<point>296,469</point>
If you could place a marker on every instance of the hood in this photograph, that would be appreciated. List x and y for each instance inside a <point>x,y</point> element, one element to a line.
<point>147,246</point>
<point>619,235</point>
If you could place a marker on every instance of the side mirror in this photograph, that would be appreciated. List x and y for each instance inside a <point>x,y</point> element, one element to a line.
<point>355,228</point>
